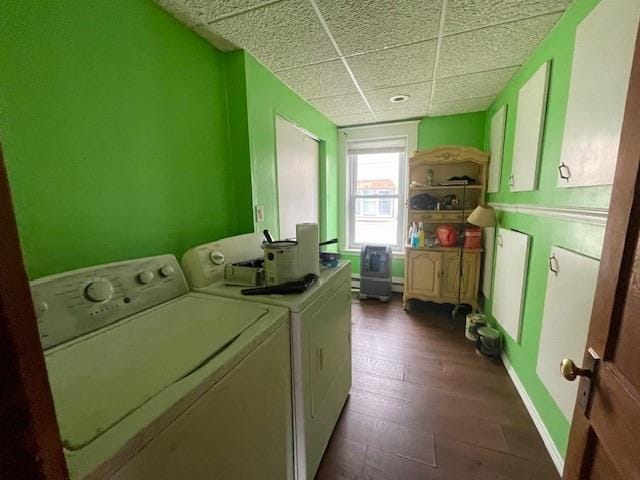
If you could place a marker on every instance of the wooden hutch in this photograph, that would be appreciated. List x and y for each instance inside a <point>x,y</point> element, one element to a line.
<point>431,273</point>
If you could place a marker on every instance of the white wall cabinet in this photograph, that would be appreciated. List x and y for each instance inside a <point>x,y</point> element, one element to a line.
<point>512,255</point>
<point>597,93</point>
<point>497,142</point>
<point>488,240</point>
<point>530,116</point>
<point>571,285</point>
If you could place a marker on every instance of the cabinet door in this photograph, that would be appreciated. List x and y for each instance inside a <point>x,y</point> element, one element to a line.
<point>497,142</point>
<point>423,270</point>
<point>451,273</point>
<point>597,93</point>
<point>527,143</point>
<point>571,288</point>
<point>512,256</point>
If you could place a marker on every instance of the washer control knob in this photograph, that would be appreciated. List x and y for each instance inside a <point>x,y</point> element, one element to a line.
<point>217,257</point>
<point>167,271</point>
<point>98,291</point>
<point>145,277</point>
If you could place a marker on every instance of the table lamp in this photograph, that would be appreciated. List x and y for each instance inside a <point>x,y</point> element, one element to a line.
<point>483,216</point>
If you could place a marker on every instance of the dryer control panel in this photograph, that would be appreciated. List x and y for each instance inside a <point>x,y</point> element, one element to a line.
<point>205,264</point>
<point>74,303</point>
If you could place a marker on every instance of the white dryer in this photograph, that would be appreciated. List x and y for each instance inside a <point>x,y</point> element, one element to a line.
<point>320,321</point>
<point>152,382</point>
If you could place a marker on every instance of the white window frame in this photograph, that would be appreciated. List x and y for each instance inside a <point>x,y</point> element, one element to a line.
<point>353,196</point>
<point>407,128</point>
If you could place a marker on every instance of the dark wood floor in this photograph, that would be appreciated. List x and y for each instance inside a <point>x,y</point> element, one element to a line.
<point>424,405</point>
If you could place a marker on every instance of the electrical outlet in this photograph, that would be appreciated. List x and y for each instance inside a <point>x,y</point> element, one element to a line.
<point>259,213</point>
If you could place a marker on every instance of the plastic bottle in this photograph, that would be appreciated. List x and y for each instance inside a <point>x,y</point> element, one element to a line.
<point>414,237</point>
<point>420,235</point>
<point>410,234</point>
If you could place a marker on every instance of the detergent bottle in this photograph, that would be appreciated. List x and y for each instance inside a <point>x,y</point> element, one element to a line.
<point>420,235</point>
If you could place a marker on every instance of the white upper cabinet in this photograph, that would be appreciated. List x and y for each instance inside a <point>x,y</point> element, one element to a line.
<point>497,142</point>
<point>571,286</point>
<point>488,243</point>
<point>512,256</point>
<point>597,93</point>
<point>527,143</point>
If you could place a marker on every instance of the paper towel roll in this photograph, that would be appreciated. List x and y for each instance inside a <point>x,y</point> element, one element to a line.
<point>308,239</point>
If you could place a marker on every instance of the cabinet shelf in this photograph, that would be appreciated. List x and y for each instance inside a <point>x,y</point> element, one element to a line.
<point>445,187</point>
<point>457,212</point>
<point>444,249</point>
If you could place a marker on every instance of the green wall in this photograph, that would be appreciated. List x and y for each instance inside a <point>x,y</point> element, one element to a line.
<point>128,135</point>
<point>115,131</point>
<point>467,130</point>
<point>267,97</point>
<point>582,238</point>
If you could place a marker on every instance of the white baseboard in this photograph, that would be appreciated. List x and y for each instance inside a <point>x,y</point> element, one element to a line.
<point>557,458</point>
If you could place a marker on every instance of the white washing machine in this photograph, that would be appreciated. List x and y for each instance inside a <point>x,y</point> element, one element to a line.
<point>320,321</point>
<point>152,382</point>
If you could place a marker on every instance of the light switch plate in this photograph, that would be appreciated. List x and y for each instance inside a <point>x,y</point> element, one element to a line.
<point>259,213</point>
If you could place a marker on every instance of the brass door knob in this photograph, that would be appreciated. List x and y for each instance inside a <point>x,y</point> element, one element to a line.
<point>570,371</point>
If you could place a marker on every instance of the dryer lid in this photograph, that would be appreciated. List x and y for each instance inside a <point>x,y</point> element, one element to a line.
<point>101,378</point>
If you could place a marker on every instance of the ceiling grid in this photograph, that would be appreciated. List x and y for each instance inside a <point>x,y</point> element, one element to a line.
<point>348,58</point>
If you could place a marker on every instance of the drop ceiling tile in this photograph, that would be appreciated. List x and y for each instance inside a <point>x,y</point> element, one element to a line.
<point>464,15</point>
<point>461,106</point>
<point>341,105</point>
<point>209,10</point>
<point>418,97</point>
<point>493,47</point>
<point>474,85</point>
<point>393,66</point>
<point>357,119</point>
<point>281,35</point>
<point>325,79</point>
<point>366,25</point>
<point>179,10</point>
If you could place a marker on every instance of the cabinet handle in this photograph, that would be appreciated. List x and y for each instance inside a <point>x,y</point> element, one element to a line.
<point>499,240</point>
<point>321,359</point>
<point>564,171</point>
<point>553,265</point>
<point>512,181</point>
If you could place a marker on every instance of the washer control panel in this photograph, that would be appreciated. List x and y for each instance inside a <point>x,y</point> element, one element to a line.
<point>74,303</point>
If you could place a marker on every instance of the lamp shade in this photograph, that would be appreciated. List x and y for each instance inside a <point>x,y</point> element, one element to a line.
<point>483,216</point>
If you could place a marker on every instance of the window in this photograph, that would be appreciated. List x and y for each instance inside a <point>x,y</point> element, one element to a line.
<point>376,189</point>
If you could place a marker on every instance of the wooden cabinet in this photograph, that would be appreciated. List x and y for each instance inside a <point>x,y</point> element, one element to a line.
<point>432,275</point>
<point>424,271</point>
<point>451,272</point>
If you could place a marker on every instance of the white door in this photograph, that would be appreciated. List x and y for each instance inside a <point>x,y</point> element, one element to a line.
<point>512,256</point>
<point>298,177</point>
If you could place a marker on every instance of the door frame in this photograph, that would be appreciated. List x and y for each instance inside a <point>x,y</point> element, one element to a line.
<point>30,444</point>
